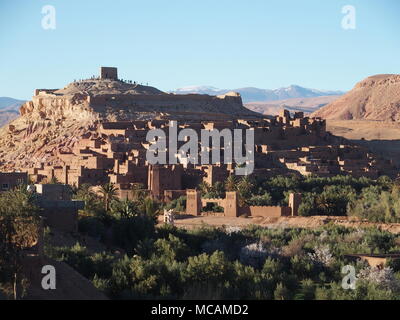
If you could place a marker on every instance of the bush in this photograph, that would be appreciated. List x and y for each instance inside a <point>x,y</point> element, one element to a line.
<point>81,260</point>
<point>212,207</point>
<point>173,249</point>
<point>376,205</point>
<point>260,200</point>
<point>128,232</point>
<point>170,263</point>
<point>178,205</point>
<point>213,269</point>
<point>281,292</point>
<point>136,278</point>
<point>92,226</point>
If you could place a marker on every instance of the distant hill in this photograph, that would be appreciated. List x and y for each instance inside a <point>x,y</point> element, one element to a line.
<point>9,109</point>
<point>251,94</point>
<point>6,102</point>
<point>212,91</point>
<point>306,105</point>
<point>374,98</point>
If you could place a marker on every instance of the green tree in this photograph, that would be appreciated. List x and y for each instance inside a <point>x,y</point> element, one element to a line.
<point>92,201</point>
<point>172,248</point>
<point>19,230</point>
<point>150,208</point>
<point>333,200</point>
<point>124,208</point>
<point>178,205</point>
<point>245,188</point>
<point>281,292</point>
<point>260,200</point>
<point>230,183</point>
<point>204,187</point>
<point>213,269</point>
<point>139,192</point>
<point>108,192</point>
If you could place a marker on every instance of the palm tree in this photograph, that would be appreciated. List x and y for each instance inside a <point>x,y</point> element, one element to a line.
<point>125,208</point>
<point>150,208</point>
<point>217,190</point>
<point>204,187</point>
<point>138,192</point>
<point>53,180</point>
<point>230,183</point>
<point>85,193</point>
<point>20,229</point>
<point>244,188</point>
<point>109,193</point>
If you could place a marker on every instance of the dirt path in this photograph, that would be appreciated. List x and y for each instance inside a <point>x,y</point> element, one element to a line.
<point>282,222</point>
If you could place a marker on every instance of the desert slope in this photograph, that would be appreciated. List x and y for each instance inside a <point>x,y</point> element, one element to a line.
<point>375,98</point>
<point>306,105</point>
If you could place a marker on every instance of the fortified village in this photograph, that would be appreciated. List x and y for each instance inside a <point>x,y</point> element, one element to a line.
<point>94,132</point>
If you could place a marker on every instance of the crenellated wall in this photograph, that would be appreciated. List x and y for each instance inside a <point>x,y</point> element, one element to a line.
<point>232,209</point>
<point>169,103</point>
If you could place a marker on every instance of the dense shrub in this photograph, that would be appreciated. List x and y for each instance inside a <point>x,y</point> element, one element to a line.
<point>92,226</point>
<point>128,232</point>
<point>78,257</point>
<point>179,205</point>
<point>237,263</point>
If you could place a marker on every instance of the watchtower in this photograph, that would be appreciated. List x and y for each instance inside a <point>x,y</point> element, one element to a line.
<point>193,202</point>
<point>108,73</point>
<point>231,204</point>
<point>294,203</point>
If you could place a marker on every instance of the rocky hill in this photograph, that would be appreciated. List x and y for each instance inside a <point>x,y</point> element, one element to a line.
<point>375,98</point>
<point>6,102</point>
<point>56,119</point>
<point>115,100</point>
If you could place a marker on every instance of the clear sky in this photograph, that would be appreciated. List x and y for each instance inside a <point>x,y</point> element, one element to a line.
<point>177,43</point>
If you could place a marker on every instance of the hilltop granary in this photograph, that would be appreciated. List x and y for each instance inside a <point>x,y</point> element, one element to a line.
<point>108,73</point>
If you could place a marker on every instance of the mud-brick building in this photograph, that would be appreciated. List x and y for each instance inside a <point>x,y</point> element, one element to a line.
<point>231,206</point>
<point>58,209</point>
<point>10,180</point>
<point>163,178</point>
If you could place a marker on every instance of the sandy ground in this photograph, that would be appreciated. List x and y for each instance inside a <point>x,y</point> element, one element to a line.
<point>381,137</point>
<point>369,130</point>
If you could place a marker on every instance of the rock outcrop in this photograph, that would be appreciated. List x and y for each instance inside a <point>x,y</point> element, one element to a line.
<point>55,120</point>
<point>116,100</point>
<point>375,98</point>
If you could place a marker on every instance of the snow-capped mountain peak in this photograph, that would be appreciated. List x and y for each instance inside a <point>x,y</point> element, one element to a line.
<point>252,94</point>
<point>199,90</point>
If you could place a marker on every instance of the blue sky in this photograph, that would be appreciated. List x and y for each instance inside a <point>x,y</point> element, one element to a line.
<point>176,43</point>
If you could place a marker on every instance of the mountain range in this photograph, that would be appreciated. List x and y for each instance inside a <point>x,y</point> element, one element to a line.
<point>252,94</point>
<point>9,109</point>
<point>306,105</point>
<point>9,103</point>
